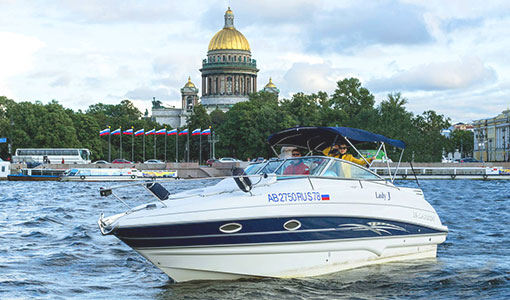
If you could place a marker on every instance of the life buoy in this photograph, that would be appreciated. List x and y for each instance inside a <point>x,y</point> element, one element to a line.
<point>453,176</point>
<point>133,176</point>
<point>82,177</point>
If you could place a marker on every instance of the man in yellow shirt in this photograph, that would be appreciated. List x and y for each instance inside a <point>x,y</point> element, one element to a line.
<point>340,151</point>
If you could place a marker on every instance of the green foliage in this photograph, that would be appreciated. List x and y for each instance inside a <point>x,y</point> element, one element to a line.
<point>242,131</point>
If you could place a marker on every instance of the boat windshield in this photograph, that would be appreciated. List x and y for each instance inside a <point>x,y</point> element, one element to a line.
<point>253,168</point>
<point>343,169</point>
<point>270,167</point>
<point>325,167</point>
<point>303,166</point>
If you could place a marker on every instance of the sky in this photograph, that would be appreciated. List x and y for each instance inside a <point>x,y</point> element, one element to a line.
<point>448,56</point>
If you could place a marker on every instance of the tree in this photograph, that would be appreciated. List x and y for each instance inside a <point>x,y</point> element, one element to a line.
<point>355,101</point>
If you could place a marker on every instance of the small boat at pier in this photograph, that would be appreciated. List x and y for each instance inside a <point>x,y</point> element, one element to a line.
<point>328,216</point>
<point>115,174</point>
<point>37,174</point>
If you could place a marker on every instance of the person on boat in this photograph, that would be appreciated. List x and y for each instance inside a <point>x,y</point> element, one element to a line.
<point>297,166</point>
<point>339,150</point>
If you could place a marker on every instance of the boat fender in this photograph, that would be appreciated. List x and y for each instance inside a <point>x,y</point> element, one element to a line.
<point>82,177</point>
<point>404,176</point>
<point>243,182</point>
<point>453,176</point>
<point>485,177</point>
<point>133,176</point>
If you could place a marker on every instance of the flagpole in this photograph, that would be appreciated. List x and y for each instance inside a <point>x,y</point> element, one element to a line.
<point>187,146</point>
<point>200,146</point>
<point>165,143</point>
<point>120,141</point>
<point>143,158</point>
<point>177,146</point>
<point>154,143</point>
<point>133,144</point>
<point>109,145</point>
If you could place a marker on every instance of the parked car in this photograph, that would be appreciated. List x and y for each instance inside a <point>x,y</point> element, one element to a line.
<point>258,159</point>
<point>228,160</point>
<point>121,161</point>
<point>210,161</point>
<point>101,162</point>
<point>469,160</point>
<point>153,161</point>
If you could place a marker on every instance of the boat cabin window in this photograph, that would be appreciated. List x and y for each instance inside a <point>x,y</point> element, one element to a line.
<point>302,166</point>
<point>344,169</point>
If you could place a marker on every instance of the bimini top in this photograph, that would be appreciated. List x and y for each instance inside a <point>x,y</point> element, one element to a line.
<point>319,138</point>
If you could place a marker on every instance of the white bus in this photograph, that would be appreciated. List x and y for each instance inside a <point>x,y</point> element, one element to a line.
<point>50,155</point>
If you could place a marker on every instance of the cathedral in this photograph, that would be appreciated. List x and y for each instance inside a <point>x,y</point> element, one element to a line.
<point>229,75</point>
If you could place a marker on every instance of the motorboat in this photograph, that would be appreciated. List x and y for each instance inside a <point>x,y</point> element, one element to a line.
<point>37,174</point>
<point>115,174</point>
<point>333,215</point>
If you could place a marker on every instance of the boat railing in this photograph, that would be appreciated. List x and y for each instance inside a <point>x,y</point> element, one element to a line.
<point>161,193</point>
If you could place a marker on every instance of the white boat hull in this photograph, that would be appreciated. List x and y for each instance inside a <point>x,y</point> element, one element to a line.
<point>288,261</point>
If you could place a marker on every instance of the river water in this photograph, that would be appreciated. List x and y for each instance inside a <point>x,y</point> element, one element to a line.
<point>51,248</point>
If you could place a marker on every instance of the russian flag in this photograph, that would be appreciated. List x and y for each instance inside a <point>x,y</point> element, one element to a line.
<point>325,197</point>
<point>129,131</point>
<point>152,131</point>
<point>161,131</point>
<point>172,132</point>
<point>116,132</point>
<point>104,132</point>
<point>196,132</point>
<point>207,131</point>
<point>184,132</point>
<point>139,132</point>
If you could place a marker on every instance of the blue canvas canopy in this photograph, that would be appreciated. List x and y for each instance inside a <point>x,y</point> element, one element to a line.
<point>319,138</point>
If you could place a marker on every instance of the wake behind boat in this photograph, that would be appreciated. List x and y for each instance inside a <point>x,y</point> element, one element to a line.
<point>266,222</point>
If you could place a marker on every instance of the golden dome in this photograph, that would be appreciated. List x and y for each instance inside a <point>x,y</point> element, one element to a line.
<point>229,38</point>
<point>270,84</point>
<point>189,84</point>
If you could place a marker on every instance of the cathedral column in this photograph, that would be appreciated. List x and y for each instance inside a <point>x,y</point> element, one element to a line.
<point>204,91</point>
<point>254,84</point>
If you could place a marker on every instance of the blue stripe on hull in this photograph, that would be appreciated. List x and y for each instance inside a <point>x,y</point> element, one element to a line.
<point>265,231</point>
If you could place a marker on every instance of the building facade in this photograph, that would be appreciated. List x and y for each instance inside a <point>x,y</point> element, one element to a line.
<point>229,74</point>
<point>492,138</point>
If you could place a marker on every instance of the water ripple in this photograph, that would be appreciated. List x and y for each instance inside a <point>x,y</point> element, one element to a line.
<point>50,248</point>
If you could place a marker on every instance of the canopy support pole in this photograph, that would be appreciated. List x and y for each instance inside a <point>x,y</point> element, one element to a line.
<point>356,150</point>
<point>376,154</point>
<point>398,165</point>
<point>387,160</point>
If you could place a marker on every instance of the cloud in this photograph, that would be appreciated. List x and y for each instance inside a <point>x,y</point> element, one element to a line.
<point>146,93</point>
<point>16,57</point>
<point>465,73</point>
<point>384,22</point>
<point>61,81</point>
<point>310,78</point>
